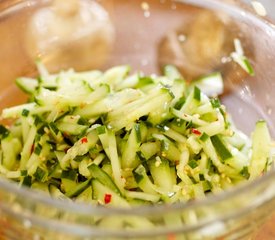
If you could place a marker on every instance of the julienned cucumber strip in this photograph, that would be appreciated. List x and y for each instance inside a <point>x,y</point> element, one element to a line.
<point>103,177</point>
<point>239,58</point>
<point>261,142</point>
<point>122,140</point>
<point>220,148</point>
<point>27,85</point>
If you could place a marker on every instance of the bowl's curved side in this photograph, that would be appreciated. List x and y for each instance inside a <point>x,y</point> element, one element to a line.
<point>25,214</point>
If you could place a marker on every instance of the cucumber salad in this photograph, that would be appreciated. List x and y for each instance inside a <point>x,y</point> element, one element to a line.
<point>120,139</point>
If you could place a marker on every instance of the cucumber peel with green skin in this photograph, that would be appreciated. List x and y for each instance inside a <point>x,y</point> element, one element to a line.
<point>121,139</point>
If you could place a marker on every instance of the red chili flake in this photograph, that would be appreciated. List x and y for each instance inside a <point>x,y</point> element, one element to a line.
<point>177,162</point>
<point>84,140</point>
<point>32,148</point>
<point>171,236</point>
<point>196,131</point>
<point>107,198</point>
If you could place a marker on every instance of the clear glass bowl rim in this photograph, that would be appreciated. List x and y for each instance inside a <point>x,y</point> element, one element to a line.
<point>85,209</point>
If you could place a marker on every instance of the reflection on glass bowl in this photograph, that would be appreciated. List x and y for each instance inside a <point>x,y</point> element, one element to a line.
<point>140,28</point>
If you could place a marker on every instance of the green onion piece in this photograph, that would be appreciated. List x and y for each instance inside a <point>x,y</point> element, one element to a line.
<point>193,164</point>
<point>25,112</point>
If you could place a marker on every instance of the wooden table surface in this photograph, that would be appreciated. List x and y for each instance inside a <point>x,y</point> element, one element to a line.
<point>267,232</point>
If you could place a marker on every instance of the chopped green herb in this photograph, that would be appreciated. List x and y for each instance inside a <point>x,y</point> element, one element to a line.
<point>245,173</point>
<point>193,163</point>
<point>40,174</point>
<point>4,132</point>
<point>41,130</point>
<point>201,176</point>
<point>27,181</point>
<point>37,120</point>
<point>24,173</point>
<point>54,128</point>
<point>25,112</point>
<point>37,149</point>
<point>70,174</point>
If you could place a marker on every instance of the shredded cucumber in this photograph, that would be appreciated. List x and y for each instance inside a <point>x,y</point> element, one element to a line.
<point>117,139</point>
<point>239,57</point>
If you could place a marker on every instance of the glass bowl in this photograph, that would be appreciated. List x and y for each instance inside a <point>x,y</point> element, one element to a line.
<point>137,30</point>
